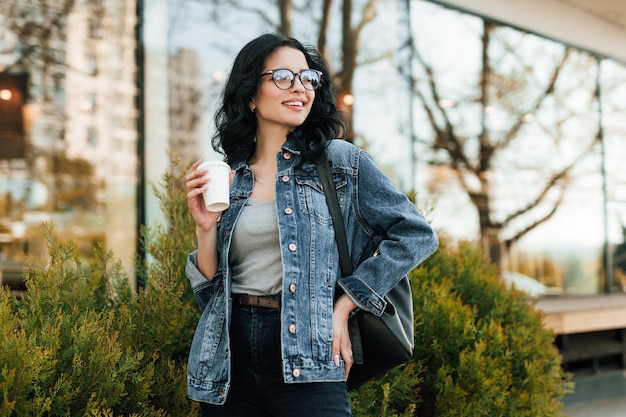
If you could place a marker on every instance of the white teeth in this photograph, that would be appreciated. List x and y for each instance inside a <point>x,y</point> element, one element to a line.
<point>293,103</point>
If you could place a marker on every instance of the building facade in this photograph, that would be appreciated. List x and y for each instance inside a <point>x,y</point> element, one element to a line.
<point>112,87</point>
<point>79,168</point>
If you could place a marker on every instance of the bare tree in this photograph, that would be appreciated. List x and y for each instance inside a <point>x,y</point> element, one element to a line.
<point>354,17</point>
<point>480,161</point>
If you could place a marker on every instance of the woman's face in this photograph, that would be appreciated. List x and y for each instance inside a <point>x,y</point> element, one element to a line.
<point>282,108</point>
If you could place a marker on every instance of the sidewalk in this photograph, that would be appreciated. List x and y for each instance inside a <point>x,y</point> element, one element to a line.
<point>606,408</point>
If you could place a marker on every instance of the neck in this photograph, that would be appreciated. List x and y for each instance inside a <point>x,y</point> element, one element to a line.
<point>268,144</point>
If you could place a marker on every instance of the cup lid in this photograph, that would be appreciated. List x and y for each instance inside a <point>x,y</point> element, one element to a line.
<point>207,164</point>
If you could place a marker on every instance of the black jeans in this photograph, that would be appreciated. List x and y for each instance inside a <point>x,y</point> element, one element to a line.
<point>257,387</point>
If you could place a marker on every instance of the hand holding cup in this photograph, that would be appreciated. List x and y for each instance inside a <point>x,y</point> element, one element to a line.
<point>217,195</point>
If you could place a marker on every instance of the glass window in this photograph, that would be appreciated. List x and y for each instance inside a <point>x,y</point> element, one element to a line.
<point>514,121</point>
<point>92,137</point>
<point>510,139</point>
<point>613,90</point>
<point>93,28</point>
<point>58,89</point>
<point>89,102</point>
<point>60,176</point>
<point>506,128</point>
<point>91,63</point>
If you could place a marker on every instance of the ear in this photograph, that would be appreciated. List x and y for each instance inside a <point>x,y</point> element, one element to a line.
<point>252,106</point>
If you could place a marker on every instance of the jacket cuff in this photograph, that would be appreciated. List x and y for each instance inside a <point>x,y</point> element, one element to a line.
<point>196,278</point>
<point>362,295</point>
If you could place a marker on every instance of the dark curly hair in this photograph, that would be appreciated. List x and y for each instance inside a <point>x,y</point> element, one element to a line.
<point>236,124</point>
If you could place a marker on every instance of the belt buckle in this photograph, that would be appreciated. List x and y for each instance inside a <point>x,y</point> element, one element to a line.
<point>245,300</point>
<point>258,301</point>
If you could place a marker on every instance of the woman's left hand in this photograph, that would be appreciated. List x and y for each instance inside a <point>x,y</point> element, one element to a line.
<point>342,347</point>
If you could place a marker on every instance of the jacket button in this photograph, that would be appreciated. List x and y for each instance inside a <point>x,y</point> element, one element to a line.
<point>287,155</point>
<point>292,247</point>
<point>285,178</point>
<point>292,328</point>
<point>288,210</point>
<point>292,288</point>
<point>296,373</point>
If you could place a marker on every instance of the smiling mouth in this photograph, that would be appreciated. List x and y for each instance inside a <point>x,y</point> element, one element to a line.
<point>294,103</point>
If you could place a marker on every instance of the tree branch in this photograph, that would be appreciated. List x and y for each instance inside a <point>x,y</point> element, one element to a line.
<point>446,137</point>
<point>548,90</point>
<point>324,25</point>
<point>369,14</point>
<point>509,242</point>
<point>561,175</point>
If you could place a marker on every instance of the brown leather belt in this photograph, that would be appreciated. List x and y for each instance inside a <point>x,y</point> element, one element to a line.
<point>270,301</point>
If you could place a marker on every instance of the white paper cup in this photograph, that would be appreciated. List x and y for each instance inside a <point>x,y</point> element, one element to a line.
<point>217,196</point>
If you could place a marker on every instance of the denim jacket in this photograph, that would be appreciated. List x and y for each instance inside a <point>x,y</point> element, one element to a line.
<point>376,216</point>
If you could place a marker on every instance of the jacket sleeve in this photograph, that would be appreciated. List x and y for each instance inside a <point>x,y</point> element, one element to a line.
<point>203,289</point>
<point>406,238</point>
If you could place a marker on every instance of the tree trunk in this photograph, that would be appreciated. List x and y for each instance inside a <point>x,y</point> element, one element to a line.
<point>285,8</point>
<point>493,247</point>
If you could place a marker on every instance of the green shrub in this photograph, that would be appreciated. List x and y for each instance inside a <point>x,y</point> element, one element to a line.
<point>81,342</point>
<point>480,348</point>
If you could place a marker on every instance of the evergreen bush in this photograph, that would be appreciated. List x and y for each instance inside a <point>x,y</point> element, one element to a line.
<point>480,348</point>
<point>82,342</point>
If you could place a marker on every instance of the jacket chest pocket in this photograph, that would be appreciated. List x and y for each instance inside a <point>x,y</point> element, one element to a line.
<point>312,200</point>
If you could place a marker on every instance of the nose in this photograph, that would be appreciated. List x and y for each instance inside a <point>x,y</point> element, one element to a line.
<point>297,83</point>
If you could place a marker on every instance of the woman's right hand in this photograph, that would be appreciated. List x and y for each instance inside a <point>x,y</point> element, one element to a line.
<point>196,184</point>
<point>205,220</point>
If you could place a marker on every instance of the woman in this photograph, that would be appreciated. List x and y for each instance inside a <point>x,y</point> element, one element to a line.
<point>273,337</point>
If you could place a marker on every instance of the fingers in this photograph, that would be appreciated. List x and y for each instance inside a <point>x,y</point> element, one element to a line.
<point>194,172</point>
<point>195,178</point>
<point>344,353</point>
<point>196,164</point>
<point>342,346</point>
<point>196,183</point>
<point>342,350</point>
<point>348,358</point>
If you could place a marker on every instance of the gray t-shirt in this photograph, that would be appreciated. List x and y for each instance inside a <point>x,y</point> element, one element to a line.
<point>255,257</point>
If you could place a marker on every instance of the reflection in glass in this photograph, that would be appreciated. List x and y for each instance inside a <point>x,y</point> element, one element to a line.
<point>65,172</point>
